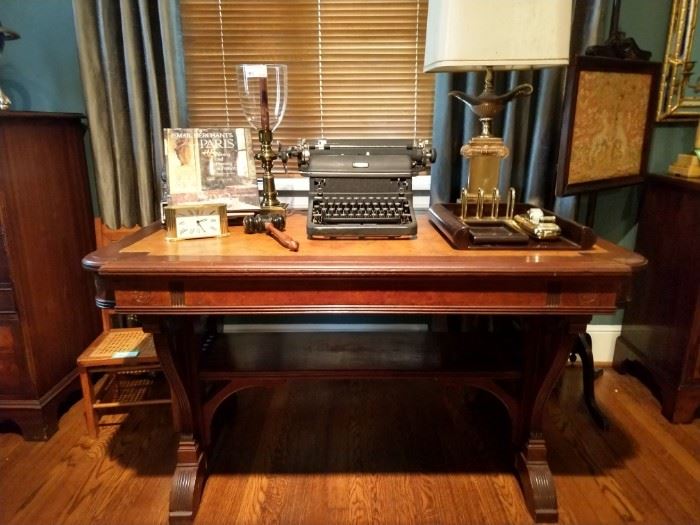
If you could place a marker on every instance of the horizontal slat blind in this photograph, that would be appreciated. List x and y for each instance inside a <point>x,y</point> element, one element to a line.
<point>354,66</point>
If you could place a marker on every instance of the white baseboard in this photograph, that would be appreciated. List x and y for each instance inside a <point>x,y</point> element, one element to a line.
<point>603,337</point>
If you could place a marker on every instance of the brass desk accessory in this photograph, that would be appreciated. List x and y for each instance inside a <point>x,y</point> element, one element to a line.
<point>491,224</point>
<point>538,225</point>
<point>263,92</point>
<point>5,35</point>
<point>479,200</point>
<point>530,228</point>
<point>195,221</point>
<point>688,164</point>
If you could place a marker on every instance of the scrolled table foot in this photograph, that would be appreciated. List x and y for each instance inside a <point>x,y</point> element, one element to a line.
<point>537,482</point>
<point>187,483</point>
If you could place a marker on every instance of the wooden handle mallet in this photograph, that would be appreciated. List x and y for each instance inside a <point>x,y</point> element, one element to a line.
<point>273,224</point>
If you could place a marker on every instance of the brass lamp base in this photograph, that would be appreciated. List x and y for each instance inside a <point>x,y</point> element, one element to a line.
<point>484,154</point>
<point>486,151</point>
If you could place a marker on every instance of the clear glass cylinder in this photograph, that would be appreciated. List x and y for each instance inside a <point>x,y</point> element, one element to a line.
<point>262,89</point>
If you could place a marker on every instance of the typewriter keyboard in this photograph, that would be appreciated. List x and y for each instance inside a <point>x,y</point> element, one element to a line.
<point>361,209</point>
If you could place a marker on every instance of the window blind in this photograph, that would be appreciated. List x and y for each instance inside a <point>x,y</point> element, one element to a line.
<point>354,66</point>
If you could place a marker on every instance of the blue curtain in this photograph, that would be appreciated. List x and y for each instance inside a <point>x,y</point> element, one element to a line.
<point>529,126</point>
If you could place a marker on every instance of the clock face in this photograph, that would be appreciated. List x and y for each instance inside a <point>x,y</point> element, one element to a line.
<point>198,226</point>
<point>195,221</point>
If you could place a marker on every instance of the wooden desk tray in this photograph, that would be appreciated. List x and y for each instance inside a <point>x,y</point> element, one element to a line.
<point>446,218</point>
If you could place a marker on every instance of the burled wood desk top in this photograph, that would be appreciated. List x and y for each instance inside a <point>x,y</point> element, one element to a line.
<point>149,252</point>
<point>252,273</point>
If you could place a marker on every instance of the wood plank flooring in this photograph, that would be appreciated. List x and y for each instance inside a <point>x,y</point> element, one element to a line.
<point>412,452</point>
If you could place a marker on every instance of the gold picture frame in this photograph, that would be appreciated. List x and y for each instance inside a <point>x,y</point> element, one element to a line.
<point>609,109</point>
<point>679,91</point>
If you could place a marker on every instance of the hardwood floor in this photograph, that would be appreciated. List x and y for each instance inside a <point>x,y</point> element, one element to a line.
<point>364,452</point>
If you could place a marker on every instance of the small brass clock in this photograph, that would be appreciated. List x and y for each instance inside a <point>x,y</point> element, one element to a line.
<point>195,221</point>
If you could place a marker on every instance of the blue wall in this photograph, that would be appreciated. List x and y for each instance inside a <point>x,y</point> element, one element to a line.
<point>40,71</point>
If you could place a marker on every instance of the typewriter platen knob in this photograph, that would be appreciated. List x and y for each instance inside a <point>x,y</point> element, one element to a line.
<point>423,153</point>
<point>304,153</point>
<point>283,155</point>
<point>429,153</point>
<point>301,152</point>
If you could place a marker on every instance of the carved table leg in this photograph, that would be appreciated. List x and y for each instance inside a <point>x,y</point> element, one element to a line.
<point>536,480</point>
<point>174,339</point>
<point>583,347</point>
<point>547,345</point>
<point>188,481</point>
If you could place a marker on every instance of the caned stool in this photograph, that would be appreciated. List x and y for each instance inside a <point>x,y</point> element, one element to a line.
<point>125,356</point>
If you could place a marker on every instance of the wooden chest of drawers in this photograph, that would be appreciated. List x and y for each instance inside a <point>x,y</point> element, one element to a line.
<point>47,310</point>
<point>661,329</point>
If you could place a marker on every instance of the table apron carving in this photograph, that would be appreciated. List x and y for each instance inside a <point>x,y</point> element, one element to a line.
<point>508,295</point>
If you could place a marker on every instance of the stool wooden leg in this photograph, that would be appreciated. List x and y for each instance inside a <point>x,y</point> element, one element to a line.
<point>88,402</point>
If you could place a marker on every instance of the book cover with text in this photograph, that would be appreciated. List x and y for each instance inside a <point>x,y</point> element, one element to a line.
<point>211,165</point>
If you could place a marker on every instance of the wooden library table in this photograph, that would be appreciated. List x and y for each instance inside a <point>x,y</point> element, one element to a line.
<point>173,286</point>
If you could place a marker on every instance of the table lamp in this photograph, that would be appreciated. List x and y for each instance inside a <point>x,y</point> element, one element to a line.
<point>474,35</point>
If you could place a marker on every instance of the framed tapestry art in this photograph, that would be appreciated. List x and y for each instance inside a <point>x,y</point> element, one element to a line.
<point>608,112</point>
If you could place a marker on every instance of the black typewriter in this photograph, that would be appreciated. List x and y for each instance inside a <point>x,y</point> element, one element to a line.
<point>362,188</point>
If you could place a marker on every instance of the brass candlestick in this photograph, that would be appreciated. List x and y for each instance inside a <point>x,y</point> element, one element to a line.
<point>269,201</point>
<point>263,92</point>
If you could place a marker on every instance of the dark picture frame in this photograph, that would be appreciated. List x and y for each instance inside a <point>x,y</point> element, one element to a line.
<point>609,109</point>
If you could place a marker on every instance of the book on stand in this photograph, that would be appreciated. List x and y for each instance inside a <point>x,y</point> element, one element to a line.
<point>211,165</point>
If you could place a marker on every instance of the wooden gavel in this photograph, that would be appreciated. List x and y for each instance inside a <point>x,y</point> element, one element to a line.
<point>272,224</point>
